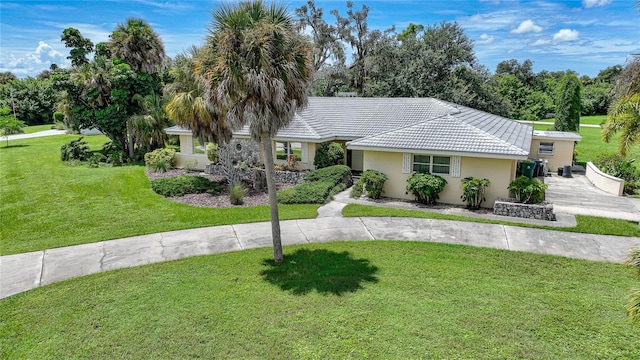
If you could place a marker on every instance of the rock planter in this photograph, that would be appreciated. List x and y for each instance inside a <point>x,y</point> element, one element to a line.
<point>257,176</point>
<point>543,211</point>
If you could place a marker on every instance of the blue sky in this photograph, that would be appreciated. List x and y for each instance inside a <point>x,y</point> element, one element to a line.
<point>582,35</point>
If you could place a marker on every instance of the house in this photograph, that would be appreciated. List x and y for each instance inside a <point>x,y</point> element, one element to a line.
<point>398,136</point>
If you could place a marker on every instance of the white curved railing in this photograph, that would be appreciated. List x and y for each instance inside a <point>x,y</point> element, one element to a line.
<point>605,182</point>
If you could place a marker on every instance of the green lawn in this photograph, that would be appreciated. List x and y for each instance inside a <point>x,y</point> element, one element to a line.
<point>36,128</point>
<point>586,224</point>
<point>343,300</point>
<point>46,203</point>
<point>593,120</point>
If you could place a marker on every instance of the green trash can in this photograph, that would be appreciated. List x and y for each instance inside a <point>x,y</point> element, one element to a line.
<point>528,168</point>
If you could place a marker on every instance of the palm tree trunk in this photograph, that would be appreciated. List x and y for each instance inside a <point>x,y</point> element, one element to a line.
<point>130,134</point>
<point>267,153</point>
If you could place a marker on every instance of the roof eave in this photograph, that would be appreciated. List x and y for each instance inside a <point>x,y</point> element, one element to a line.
<point>521,156</point>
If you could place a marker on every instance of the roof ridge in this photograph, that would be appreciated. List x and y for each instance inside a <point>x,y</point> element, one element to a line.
<point>477,129</point>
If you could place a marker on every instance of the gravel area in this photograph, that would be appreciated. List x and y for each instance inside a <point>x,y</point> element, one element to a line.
<point>221,200</point>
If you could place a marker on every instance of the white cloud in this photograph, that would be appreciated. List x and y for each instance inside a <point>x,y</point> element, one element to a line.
<point>31,63</point>
<point>594,3</point>
<point>566,35</point>
<point>541,42</point>
<point>527,26</point>
<point>485,39</point>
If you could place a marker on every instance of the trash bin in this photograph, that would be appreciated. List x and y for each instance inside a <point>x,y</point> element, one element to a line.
<point>560,171</point>
<point>566,172</point>
<point>539,170</point>
<point>528,168</point>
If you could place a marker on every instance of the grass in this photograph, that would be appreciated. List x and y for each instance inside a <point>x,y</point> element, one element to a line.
<point>36,128</point>
<point>46,203</point>
<point>386,300</point>
<point>593,120</point>
<point>586,224</point>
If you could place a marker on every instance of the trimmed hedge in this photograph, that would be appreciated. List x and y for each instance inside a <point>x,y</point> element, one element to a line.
<point>319,186</point>
<point>181,185</point>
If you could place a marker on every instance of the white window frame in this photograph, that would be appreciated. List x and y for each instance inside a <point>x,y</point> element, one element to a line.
<point>430,164</point>
<point>546,148</point>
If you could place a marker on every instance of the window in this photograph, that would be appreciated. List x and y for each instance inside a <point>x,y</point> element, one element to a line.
<point>546,148</point>
<point>285,149</point>
<point>432,164</point>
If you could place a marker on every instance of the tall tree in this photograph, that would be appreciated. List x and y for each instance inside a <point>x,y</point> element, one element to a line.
<point>187,105</point>
<point>257,69</point>
<point>137,44</point>
<point>568,102</point>
<point>80,46</point>
<point>624,114</point>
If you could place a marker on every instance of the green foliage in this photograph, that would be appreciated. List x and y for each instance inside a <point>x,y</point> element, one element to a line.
<point>357,190</point>
<point>373,181</point>
<point>620,167</point>
<point>328,154</point>
<point>473,191</point>
<point>306,193</point>
<point>633,310</point>
<point>319,186</point>
<point>34,100</point>
<point>79,45</point>
<point>212,152</point>
<point>165,155</point>
<point>527,191</point>
<point>113,154</point>
<point>8,124</point>
<point>425,187</point>
<point>237,193</point>
<point>160,166</point>
<point>181,185</point>
<point>568,100</point>
<point>75,150</point>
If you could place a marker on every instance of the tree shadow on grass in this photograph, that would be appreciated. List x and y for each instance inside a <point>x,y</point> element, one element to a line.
<point>11,146</point>
<point>324,271</point>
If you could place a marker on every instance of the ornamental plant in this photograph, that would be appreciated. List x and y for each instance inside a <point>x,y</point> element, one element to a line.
<point>212,152</point>
<point>164,156</point>
<point>75,150</point>
<point>527,191</point>
<point>634,299</point>
<point>329,154</point>
<point>373,183</point>
<point>473,191</point>
<point>425,187</point>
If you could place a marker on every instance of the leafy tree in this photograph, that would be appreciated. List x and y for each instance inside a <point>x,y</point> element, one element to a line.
<point>9,124</point>
<point>329,154</point>
<point>568,104</point>
<point>624,114</point>
<point>34,100</point>
<point>80,46</point>
<point>257,70</point>
<point>7,77</point>
<point>135,42</point>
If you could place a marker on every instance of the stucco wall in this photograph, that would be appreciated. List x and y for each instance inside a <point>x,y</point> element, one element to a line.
<point>498,171</point>
<point>562,152</point>
<point>182,159</point>
<point>605,182</point>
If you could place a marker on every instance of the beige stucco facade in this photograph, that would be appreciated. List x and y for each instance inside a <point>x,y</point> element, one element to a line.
<point>499,171</point>
<point>563,145</point>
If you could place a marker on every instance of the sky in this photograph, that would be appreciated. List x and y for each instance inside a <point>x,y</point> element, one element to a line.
<point>582,35</point>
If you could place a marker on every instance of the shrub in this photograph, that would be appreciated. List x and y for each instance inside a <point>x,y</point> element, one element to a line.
<point>357,190</point>
<point>95,160</point>
<point>236,194</point>
<point>425,187</point>
<point>473,191</point>
<point>212,152</point>
<point>373,181</point>
<point>160,166</point>
<point>306,193</point>
<point>190,165</point>
<point>75,150</point>
<point>634,299</point>
<point>113,154</point>
<point>620,167</point>
<point>328,154</point>
<point>164,154</point>
<point>319,186</point>
<point>527,191</point>
<point>292,162</point>
<point>181,185</point>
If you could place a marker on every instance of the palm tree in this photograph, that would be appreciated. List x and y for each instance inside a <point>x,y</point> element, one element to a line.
<point>149,126</point>
<point>634,300</point>
<point>138,45</point>
<point>624,114</point>
<point>256,69</point>
<point>187,105</point>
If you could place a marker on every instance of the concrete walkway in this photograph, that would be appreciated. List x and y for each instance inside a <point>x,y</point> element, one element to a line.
<point>26,271</point>
<point>34,135</point>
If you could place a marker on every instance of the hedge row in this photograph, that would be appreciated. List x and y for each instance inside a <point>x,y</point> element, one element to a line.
<point>319,186</point>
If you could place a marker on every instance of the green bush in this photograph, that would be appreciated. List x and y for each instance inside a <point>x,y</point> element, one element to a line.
<point>620,167</point>
<point>164,154</point>
<point>319,186</point>
<point>473,191</point>
<point>306,193</point>
<point>373,182</point>
<point>237,193</point>
<point>357,190</point>
<point>425,187</point>
<point>212,152</point>
<point>527,191</point>
<point>181,185</point>
<point>160,166</point>
<point>329,154</point>
<point>75,150</point>
<point>113,154</point>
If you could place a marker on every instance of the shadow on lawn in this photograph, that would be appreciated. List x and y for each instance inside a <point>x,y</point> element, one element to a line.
<point>327,272</point>
<point>12,146</point>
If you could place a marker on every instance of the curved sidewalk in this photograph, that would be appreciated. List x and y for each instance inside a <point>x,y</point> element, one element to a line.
<point>21,272</point>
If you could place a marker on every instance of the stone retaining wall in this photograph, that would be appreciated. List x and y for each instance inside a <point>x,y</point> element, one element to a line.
<point>248,174</point>
<point>542,211</point>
